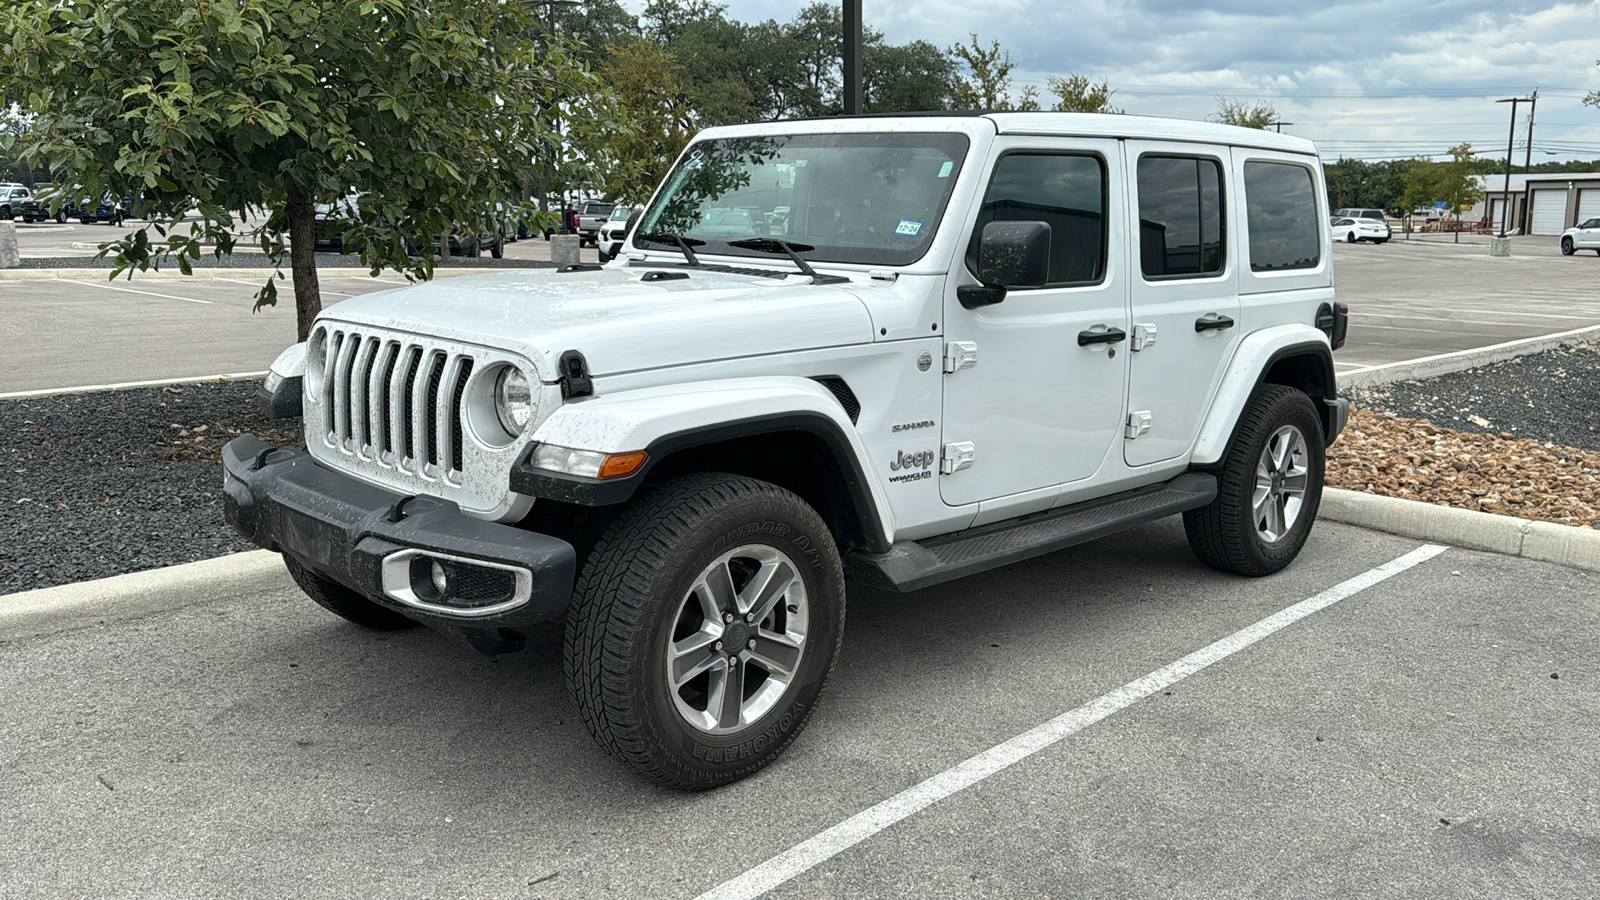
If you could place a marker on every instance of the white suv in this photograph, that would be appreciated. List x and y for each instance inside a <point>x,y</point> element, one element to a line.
<point>1583,236</point>
<point>966,340</point>
<point>12,196</point>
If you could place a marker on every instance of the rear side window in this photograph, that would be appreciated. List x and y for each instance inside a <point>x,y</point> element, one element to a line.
<point>1065,191</point>
<point>1281,206</point>
<point>1180,216</point>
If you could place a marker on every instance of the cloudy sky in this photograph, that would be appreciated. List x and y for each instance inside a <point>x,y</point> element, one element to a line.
<point>1372,80</point>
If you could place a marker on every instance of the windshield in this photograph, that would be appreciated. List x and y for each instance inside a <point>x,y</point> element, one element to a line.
<point>874,199</point>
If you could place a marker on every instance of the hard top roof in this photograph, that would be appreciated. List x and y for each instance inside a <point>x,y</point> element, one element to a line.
<point>1104,125</point>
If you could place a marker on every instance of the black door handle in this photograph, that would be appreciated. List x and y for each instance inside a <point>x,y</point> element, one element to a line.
<point>1109,336</point>
<point>1212,322</point>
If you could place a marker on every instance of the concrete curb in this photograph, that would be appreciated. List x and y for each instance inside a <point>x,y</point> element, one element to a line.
<point>1462,360</point>
<point>216,272</point>
<point>127,385</point>
<point>1542,541</point>
<point>105,600</point>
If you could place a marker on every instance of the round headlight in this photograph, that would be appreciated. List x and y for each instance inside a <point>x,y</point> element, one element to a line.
<point>513,400</point>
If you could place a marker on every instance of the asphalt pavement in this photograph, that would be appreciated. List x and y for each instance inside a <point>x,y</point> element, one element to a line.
<point>1431,734</point>
<point>1408,300</point>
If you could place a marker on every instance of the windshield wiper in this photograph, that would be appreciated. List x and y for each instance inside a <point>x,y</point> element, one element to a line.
<point>682,243</point>
<point>793,249</point>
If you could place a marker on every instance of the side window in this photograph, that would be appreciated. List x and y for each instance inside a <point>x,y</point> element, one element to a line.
<point>1066,191</point>
<point>1281,205</point>
<point>1180,216</point>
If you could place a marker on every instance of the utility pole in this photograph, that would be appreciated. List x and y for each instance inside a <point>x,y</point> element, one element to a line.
<point>1527,161</point>
<point>1279,125</point>
<point>1501,246</point>
<point>852,57</point>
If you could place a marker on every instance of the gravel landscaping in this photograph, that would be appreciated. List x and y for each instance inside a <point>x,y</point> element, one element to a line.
<point>98,484</point>
<point>1515,438</point>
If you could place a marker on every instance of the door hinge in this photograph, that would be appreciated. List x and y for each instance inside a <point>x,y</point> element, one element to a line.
<point>960,355</point>
<point>1143,336</point>
<point>957,455</point>
<point>1138,423</point>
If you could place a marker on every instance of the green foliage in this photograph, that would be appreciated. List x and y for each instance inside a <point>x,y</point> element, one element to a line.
<point>1428,182</point>
<point>987,82</point>
<point>1245,114</point>
<point>237,106</point>
<point>1076,93</point>
<point>910,77</point>
<point>643,77</point>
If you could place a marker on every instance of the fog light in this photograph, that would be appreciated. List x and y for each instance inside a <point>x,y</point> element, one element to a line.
<point>441,583</point>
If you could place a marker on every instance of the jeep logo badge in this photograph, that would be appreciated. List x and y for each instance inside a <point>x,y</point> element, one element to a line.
<point>922,459</point>
<point>924,361</point>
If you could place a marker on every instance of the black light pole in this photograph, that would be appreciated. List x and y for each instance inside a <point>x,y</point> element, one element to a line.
<point>1505,212</point>
<point>1279,125</point>
<point>852,57</point>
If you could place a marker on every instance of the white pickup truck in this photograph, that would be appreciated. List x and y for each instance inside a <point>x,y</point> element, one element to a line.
<point>898,351</point>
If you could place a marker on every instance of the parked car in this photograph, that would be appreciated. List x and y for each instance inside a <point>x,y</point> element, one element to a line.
<point>1360,213</point>
<point>50,201</point>
<point>1583,236</point>
<point>1352,230</point>
<point>109,210</point>
<point>12,196</point>
<point>588,218</point>
<point>613,231</point>
<point>1042,330</point>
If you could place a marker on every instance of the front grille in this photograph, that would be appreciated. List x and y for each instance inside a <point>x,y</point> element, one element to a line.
<point>395,402</point>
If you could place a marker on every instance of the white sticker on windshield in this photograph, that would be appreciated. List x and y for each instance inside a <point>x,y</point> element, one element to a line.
<point>944,170</point>
<point>909,227</point>
<point>799,164</point>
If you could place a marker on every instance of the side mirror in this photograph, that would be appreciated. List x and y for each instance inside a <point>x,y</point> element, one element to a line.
<point>1015,254</point>
<point>1010,255</point>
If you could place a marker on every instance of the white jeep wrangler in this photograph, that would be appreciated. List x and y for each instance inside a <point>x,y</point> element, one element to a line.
<point>893,350</point>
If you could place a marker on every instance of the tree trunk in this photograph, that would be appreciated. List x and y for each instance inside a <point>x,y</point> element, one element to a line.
<point>302,213</point>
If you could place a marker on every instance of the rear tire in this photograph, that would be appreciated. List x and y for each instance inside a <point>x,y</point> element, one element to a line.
<point>343,602</point>
<point>1268,490</point>
<point>1567,248</point>
<point>498,248</point>
<point>702,562</point>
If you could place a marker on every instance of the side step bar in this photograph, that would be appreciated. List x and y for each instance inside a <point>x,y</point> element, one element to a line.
<point>911,565</point>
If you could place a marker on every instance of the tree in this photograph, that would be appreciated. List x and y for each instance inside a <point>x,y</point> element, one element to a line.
<point>1453,181</point>
<point>1593,97</point>
<point>642,74</point>
<point>1259,114</point>
<point>235,106</point>
<point>987,84</point>
<point>1077,93</point>
<point>906,77</point>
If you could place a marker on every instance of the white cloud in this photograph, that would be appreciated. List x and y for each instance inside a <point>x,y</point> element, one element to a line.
<point>1366,77</point>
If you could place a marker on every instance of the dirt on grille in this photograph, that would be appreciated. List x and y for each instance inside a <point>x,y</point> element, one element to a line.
<point>1414,459</point>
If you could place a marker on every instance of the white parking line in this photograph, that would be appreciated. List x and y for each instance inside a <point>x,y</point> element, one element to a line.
<point>112,287</point>
<point>797,859</point>
<point>257,284</point>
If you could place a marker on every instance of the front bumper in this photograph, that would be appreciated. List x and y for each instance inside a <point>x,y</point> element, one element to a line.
<point>371,540</point>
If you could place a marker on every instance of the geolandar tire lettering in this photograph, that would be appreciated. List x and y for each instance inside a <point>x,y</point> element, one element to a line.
<point>703,629</point>
<point>1268,490</point>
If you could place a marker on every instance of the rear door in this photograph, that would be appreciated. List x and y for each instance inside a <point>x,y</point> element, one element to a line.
<point>1185,294</point>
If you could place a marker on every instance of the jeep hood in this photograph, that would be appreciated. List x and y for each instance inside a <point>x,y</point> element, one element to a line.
<point>619,322</point>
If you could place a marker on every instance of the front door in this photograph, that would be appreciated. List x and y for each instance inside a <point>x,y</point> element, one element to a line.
<point>1185,294</point>
<point>1042,403</point>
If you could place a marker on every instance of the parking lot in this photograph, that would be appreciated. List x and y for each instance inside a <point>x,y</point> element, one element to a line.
<point>1407,300</point>
<point>1430,734</point>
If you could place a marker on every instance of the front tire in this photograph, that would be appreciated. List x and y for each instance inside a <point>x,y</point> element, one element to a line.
<point>703,629</point>
<point>343,602</point>
<point>1567,248</point>
<point>1350,237</point>
<point>1268,490</point>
